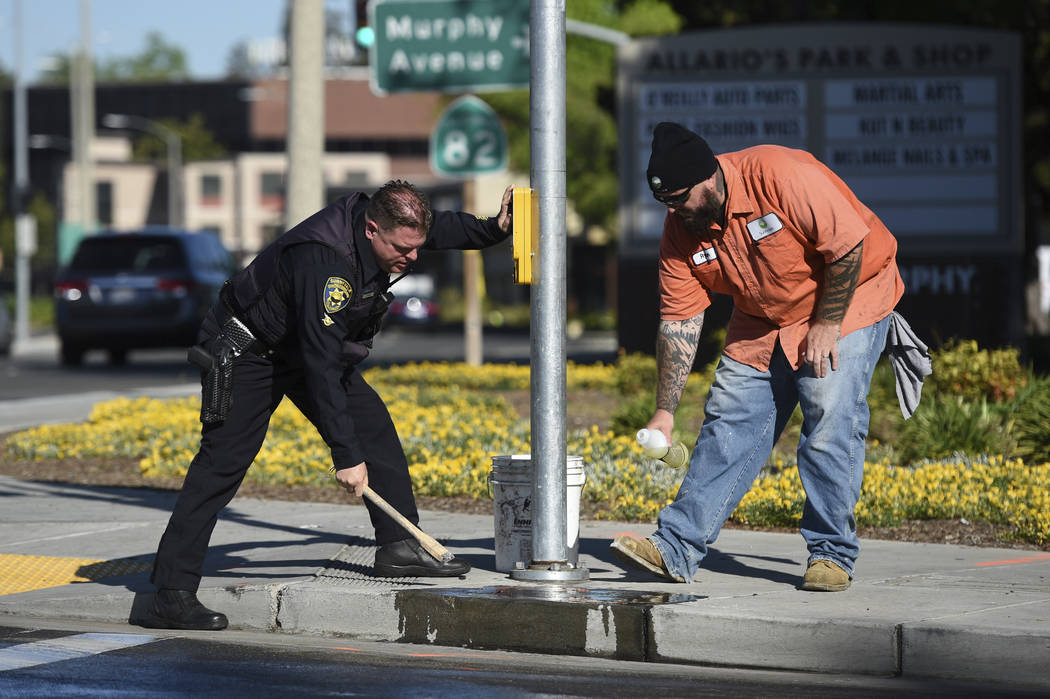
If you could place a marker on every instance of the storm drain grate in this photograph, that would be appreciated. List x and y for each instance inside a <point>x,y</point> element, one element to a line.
<point>353,566</point>
<point>21,573</point>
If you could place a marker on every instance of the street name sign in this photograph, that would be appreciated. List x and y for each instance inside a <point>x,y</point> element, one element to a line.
<point>449,45</point>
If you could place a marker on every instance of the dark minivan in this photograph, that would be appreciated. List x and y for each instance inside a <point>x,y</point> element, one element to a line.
<point>148,288</point>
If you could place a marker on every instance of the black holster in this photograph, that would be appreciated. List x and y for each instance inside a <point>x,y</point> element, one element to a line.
<point>217,366</point>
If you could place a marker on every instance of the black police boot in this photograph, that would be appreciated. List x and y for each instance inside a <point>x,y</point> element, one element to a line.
<point>407,559</point>
<point>180,609</point>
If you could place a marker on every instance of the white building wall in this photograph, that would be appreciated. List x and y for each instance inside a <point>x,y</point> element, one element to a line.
<point>132,184</point>
<point>245,218</point>
<point>219,212</point>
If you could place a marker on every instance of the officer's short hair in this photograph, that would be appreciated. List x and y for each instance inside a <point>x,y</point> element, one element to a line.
<point>399,203</point>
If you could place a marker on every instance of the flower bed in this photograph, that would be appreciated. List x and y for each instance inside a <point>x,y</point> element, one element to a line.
<point>452,420</point>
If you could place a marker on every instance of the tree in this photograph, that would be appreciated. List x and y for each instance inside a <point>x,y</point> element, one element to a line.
<point>46,216</point>
<point>239,63</point>
<point>159,61</point>
<point>591,131</point>
<point>198,143</point>
<point>59,68</point>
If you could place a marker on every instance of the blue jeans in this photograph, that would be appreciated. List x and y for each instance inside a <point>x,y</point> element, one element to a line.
<point>746,411</point>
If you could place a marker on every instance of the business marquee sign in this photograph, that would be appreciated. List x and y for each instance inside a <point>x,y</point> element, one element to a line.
<point>923,122</point>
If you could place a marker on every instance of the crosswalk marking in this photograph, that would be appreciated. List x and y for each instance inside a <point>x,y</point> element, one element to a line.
<point>54,650</point>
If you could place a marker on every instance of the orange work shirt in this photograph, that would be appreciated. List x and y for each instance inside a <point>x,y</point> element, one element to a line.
<point>787,217</point>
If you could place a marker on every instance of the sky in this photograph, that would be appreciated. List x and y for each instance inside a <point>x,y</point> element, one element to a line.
<point>204,29</point>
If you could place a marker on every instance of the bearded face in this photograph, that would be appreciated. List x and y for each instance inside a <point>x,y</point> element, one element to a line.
<point>704,206</point>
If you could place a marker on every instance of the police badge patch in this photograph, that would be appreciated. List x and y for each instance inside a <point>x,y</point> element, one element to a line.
<point>337,293</point>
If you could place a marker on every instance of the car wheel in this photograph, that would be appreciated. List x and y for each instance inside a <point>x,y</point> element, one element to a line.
<point>72,355</point>
<point>118,357</point>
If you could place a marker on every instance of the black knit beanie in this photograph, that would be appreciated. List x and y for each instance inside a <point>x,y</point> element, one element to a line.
<point>680,159</point>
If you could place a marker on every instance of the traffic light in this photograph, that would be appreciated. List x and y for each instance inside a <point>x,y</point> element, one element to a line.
<point>364,35</point>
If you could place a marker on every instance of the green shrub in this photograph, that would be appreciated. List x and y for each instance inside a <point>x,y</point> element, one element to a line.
<point>633,414</point>
<point>596,320</point>
<point>944,426</point>
<point>1031,421</point>
<point>635,374</point>
<point>963,370</point>
<point>966,403</point>
<point>493,314</point>
<point>635,381</point>
<point>41,311</point>
<point>886,417</point>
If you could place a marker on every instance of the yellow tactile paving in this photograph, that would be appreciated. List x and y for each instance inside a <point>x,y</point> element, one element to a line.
<point>20,573</point>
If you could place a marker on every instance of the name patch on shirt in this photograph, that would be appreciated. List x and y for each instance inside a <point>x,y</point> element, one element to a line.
<point>337,293</point>
<point>704,255</point>
<point>762,227</point>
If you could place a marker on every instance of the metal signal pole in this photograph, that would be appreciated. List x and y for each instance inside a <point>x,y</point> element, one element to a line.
<point>549,463</point>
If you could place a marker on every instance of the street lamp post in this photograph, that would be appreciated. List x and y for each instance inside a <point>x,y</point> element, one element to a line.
<point>174,144</point>
<point>25,224</point>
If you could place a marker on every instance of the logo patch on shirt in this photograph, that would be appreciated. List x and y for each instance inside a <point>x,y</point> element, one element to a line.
<point>704,255</point>
<point>761,227</point>
<point>337,293</point>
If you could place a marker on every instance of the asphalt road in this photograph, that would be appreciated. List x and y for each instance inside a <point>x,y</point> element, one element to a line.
<point>36,389</point>
<point>34,371</point>
<point>106,661</point>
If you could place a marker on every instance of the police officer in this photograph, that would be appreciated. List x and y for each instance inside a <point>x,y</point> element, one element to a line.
<point>295,322</point>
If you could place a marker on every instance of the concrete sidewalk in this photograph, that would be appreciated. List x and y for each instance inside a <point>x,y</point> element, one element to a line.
<point>917,610</point>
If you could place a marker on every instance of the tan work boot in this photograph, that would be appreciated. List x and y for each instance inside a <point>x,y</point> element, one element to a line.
<point>824,576</point>
<point>641,553</point>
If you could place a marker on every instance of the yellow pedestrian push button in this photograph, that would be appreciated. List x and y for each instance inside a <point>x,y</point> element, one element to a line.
<point>526,232</point>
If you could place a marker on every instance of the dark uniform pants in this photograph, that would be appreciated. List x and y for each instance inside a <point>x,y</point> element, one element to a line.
<point>228,448</point>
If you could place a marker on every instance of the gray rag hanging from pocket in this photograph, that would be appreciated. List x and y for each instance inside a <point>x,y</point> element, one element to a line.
<point>911,362</point>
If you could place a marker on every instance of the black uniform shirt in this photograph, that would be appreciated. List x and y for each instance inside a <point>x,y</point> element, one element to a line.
<point>327,312</point>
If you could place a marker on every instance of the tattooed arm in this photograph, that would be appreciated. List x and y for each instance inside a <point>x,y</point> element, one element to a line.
<point>840,281</point>
<point>676,344</point>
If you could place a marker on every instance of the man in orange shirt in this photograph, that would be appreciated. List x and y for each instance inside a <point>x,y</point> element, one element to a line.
<point>813,277</point>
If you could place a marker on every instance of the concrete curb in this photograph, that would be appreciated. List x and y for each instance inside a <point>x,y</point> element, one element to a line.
<point>729,632</point>
<point>975,652</point>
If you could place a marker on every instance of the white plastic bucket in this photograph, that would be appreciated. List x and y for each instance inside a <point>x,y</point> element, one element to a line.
<point>511,483</point>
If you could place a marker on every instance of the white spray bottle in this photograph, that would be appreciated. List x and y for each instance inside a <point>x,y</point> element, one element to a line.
<point>654,444</point>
